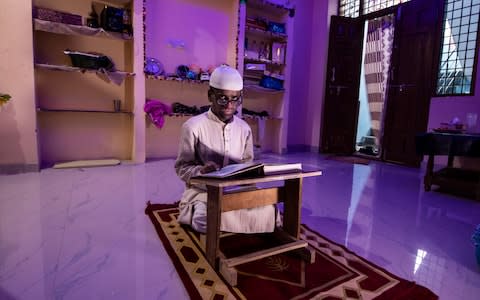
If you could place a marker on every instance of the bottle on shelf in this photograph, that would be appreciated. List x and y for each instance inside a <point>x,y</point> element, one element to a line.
<point>261,51</point>
<point>92,21</point>
<point>127,22</point>
<point>267,52</point>
<point>252,52</point>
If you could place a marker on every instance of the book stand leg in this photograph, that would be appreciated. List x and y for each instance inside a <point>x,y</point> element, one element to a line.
<point>218,202</point>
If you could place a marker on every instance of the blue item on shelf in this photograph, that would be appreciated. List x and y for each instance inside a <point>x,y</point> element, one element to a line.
<point>191,75</point>
<point>111,18</point>
<point>153,66</point>
<point>276,27</point>
<point>182,71</point>
<point>270,82</point>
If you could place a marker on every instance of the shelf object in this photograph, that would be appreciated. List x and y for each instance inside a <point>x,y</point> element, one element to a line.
<point>87,163</point>
<point>68,29</point>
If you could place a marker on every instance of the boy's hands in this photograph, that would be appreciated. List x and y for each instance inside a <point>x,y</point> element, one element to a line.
<point>208,167</point>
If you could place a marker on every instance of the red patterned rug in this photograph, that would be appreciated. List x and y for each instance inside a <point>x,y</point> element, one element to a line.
<point>337,272</point>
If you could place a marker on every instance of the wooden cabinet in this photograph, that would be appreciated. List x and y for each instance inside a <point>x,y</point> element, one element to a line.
<point>76,116</point>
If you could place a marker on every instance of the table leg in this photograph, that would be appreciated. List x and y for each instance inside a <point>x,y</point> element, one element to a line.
<point>214,209</point>
<point>292,206</point>
<point>292,217</point>
<point>427,180</point>
<point>450,161</point>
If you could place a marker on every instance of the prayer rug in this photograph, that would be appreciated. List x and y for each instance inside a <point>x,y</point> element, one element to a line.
<point>337,273</point>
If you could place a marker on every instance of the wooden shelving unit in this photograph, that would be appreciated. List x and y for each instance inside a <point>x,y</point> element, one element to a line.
<point>68,29</point>
<point>269,132</point>
<point>75,105</point>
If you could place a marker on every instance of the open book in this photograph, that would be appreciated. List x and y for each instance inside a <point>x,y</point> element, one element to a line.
<point>253,169</point>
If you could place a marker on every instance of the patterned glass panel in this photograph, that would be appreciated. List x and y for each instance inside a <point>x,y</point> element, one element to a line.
<point>375,5</point>
<point>460,24</point>
<point>349,8</point>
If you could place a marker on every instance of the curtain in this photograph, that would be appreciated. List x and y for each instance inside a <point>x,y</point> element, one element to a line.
<point>378,51</point>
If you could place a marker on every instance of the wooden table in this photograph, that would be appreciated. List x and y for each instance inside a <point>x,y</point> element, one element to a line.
<point>451,145</point>
<point>219,201</point>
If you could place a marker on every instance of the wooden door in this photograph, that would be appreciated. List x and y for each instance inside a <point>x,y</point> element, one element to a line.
<point>412,77</point>
<point>341,104</point>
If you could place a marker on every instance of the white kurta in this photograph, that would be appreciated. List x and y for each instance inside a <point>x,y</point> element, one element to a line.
<point>206,138</point>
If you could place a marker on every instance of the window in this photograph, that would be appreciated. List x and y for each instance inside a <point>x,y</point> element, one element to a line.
<point>375,5</point>
<point>351,8</point>
<point>459,47</point>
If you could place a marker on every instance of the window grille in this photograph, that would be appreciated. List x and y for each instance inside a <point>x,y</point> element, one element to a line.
<point>459,47</point>
<point>351,8</point>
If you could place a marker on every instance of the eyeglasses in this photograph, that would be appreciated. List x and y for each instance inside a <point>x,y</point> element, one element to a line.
<point>223,100</point>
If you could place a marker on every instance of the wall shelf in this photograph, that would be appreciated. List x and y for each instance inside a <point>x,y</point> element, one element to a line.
<point>268,6</point>
<point>263,61</point>
<point>83,111</point>
<point>250,117</point>
<point>82,70</point>
<point>178,115</point>
<point>68,29</point>
<point>265,34</point>
<point>173,79</point>
<point>261,89</point>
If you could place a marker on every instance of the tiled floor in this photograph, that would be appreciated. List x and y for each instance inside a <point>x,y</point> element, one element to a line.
<point>82,233</point>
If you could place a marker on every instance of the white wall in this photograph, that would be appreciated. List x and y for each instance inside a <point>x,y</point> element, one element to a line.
<point>18,138</point>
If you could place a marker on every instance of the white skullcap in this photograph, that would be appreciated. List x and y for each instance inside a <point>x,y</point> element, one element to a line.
<point>226,78</point>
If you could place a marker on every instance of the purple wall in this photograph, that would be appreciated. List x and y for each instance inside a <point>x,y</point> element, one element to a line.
<point>300,71</point>
<point>310,50</point>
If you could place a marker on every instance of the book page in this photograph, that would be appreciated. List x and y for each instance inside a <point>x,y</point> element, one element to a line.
<point>269,169</point>
<point>232,169</point>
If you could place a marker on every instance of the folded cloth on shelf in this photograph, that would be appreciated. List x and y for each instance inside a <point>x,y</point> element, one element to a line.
<point>114,77</point>
<point>156,110</point>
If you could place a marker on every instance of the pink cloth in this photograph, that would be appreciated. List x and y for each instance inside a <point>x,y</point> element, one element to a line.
<point>156,110</point>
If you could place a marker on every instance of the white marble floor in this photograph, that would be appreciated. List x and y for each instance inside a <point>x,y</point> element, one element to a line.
<point>83,234</point>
